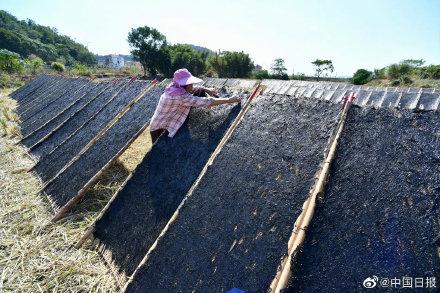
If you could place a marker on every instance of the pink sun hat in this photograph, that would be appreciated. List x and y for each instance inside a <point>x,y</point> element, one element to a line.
<point>183,77</point>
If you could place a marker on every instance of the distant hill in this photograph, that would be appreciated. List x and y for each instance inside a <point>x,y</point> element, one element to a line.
<point>201,49</point>
<point>25,37</point>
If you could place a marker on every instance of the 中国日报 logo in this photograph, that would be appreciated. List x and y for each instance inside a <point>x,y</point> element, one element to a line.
<point>371,282</point>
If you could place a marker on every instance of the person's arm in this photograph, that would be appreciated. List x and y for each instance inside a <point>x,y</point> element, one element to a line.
<point>190,100</point>
<point>221,101</point>
<point>201,89</point>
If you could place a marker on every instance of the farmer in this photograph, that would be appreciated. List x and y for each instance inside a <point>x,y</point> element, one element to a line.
<point>175,103</point>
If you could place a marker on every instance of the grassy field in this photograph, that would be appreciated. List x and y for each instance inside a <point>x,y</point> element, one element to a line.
<point>35,254</point>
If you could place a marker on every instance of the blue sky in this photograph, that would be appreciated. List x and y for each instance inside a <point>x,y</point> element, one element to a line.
<point>368,35</point>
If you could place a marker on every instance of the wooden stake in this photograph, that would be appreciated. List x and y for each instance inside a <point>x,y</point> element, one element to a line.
<point>298,234</point>
<point>73,201</point>
<point>64,209</point>
<point>65,109</point>
<point>86,236</point>
<point>225,138</point>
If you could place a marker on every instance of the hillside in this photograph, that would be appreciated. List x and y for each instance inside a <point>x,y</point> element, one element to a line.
<point>201,49</point>
<point>25,37</point>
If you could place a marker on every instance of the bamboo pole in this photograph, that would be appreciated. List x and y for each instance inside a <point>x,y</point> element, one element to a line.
<point>91,228</point>
<point>258,89</point>
<point>64,209</point>
<point>59,126</point>
<point>28,100</point>
<point>73,201</point>
<point>95,139</point>
<point>88,234</point>
<point>298,234</point>
<point>56,116</point>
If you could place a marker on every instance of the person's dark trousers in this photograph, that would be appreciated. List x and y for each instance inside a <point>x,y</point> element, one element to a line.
<point>156,133</point>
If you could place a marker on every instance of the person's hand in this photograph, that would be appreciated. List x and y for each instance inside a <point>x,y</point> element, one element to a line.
<point>235,99</point>
<point>212,92</point>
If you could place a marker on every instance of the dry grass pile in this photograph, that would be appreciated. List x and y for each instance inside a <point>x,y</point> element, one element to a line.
<point>35,254</point>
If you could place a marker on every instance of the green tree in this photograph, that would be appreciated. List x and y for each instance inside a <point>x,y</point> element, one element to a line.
<point>323,67</point>
<point>10,62</point>
<point>396,71</point>
<point>279,70</point>
<point>231,64</point>
<point>184,56</point>
<point>150,48</point>
<point>27,37</point>
<point>260,74</point>
<point>400,73</point>
<point>414,62</point>
<point>362,76</point>
<point>217,64</point>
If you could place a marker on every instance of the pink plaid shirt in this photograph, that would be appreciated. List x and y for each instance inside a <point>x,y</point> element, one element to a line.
<point>171,112</point>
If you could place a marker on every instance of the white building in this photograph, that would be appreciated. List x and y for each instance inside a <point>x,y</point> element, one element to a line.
<point>116,61</point>
<point>111,61</point>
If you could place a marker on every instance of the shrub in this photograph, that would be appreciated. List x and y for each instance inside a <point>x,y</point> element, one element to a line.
<point>5,80</point>
<point>80,69</point>
<point>10,62</point>
<point>362,76</point>
<point>284,76</point>
<point>380,73</point>
<point>35,64</point>
<point>260,74</point>
<point>132,70</point>
<point>396,71</point>
<point>299,76</point>
<point>403,80</point>
<point>433,71</point>
<point>395,82</point>
<point>8,81</point>
<point>423,72</point>
<point>57,66</point>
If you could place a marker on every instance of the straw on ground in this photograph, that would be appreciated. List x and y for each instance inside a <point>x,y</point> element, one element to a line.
<point>35,254</point>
